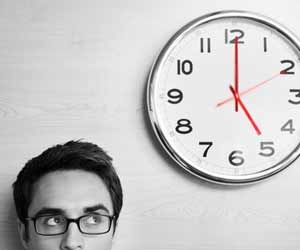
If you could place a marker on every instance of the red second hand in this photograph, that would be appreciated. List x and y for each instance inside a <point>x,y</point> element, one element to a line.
<point>249,89</point>
<point>237,97</point>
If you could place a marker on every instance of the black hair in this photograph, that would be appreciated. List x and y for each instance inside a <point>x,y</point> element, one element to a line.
<point>73,155</point>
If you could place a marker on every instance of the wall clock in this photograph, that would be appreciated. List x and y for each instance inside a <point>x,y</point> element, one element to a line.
<point>224,97</point>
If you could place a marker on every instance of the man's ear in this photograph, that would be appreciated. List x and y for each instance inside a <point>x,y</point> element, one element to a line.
<point>23,234</point>
<point>114,235</point>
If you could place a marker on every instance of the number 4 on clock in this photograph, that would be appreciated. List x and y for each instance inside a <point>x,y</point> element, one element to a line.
<point>288,127</point>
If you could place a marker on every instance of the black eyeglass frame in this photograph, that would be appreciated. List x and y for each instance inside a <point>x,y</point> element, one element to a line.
<point>69,220</point>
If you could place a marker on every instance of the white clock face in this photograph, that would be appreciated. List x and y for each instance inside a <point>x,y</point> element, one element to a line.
<point>224,97</point>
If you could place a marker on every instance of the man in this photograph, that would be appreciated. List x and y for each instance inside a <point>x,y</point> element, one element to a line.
<point>68,198</point>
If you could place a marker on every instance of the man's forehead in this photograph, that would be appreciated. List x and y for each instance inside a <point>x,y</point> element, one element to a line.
<point>72,191</point>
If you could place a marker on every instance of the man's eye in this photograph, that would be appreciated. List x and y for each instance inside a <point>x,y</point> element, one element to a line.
<point>94,219</point>
<point>54,221</point>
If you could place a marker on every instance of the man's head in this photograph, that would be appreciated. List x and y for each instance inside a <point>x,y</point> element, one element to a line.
<point>69,197</point>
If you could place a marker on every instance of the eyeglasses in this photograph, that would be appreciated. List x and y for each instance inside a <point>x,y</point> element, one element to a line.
<point>92,224</point>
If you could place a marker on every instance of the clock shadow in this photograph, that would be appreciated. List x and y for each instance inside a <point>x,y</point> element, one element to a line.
<point>171,164</point>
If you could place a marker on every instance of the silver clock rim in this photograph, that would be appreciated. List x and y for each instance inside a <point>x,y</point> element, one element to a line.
<point>151,109</point>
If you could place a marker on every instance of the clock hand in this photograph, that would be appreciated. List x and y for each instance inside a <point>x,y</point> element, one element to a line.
<point>237,97</point>
<point>250,89</point>
<point>236,71</point>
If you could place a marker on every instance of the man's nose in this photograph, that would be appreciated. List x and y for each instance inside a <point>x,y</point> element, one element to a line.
<point>72,239</point>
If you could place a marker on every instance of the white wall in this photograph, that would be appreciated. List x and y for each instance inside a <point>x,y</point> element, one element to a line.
<point>78,69</point>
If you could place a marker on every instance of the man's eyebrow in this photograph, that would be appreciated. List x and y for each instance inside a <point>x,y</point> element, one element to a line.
<point>95,208</point>
<point>52,210</point>
<point>48,211</point>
